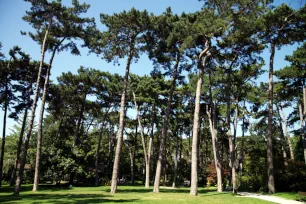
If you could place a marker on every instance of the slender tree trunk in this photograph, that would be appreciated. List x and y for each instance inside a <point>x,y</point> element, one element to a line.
<point>98,149</point>
<point>302,126</point>
<point>165,128</point>
<point>214,132</point>
<point>194,153</point>
<point>175,159</point>
<point>24,122</point>
<point>6,104</point>
<point>242,140</point>
<point>287,134</point>
<point>121,124</point>
<point>31,123</point>
<point>3,139</point>
<point>131,153</point>
<point>283,141</point>
<point>270,126</point>
<point>13,177</point>
<point>41,118</point>
<point>196,119</point>
<point>79,122</point>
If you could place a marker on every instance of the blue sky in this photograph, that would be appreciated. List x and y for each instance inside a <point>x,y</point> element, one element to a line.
<point>11,22</point>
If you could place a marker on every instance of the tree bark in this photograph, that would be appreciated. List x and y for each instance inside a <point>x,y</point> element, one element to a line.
<point>98,149</point>
<point>3,139</point>
<point>41,118</point>
<point>175,159</point>
<point>283,141</point>
<point>212,118</point>
<point>302,134</point>
<point>165,128</point>
<point>31,123</point>
<point>196,119</point>
<point>121,123</point>
<point>6,104</point>
<point>24,121</point>
<point>242,139</point>
<point>270,125</point>
<point>287,134</point>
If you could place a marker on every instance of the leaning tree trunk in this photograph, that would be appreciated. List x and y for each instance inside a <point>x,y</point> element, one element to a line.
<point>165,128</point>
<point>41,118</point>
<point>31,123</point>
<point>25,116</point>
<point>121,124</point>
<point>270,126</point>
<point>287,134</point>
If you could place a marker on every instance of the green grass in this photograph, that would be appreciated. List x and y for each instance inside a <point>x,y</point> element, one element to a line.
<point>287,195</point>
<point>126,194</point>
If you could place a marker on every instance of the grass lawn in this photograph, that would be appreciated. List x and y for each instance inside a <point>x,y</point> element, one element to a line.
<point>288,195</point>
<point>126,194</point>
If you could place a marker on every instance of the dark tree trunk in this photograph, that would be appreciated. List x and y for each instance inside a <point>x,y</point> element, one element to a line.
<point>98,149</point>
<point>3,139</point>
<point>6,104</point>
<point>175,159</point>
<point>301,128</point>
<point>31,123</point>
<point>270,126</point>
<point>165,128</point>
<point>20,140</point>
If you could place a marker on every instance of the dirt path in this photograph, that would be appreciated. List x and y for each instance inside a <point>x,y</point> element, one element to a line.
<point>269,198</point>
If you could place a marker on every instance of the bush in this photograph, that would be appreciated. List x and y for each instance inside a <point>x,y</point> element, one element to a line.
<point>292,177</point>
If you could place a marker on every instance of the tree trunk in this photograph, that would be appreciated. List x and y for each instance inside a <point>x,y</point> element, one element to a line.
<point>98,149</point>
<point>165,128</point>
<point>283,141</point>
<point>196,119</point>
<point>41,118</point>
<point>6,104</point>
<point>270,126</point>
<point>287,134</point>
<point>302,126</point>
<point>175,158</point>
<point>24,122</point>
<point>31,123</point>
<point>194,153</point>
<point>121,124</point>
<point>79,122</point>
<point>3,139</point>
<point>214,131</point>
<point>242,139</point>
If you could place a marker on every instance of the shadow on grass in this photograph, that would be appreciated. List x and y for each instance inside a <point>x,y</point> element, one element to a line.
<point>131,189</point>
<point>24,188</point>
<point>60,198</point>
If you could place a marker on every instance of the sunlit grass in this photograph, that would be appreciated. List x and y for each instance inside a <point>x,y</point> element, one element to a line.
<point>126,194</point>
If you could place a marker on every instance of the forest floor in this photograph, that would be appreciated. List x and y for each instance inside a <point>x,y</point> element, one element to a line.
<point>126,194</point>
